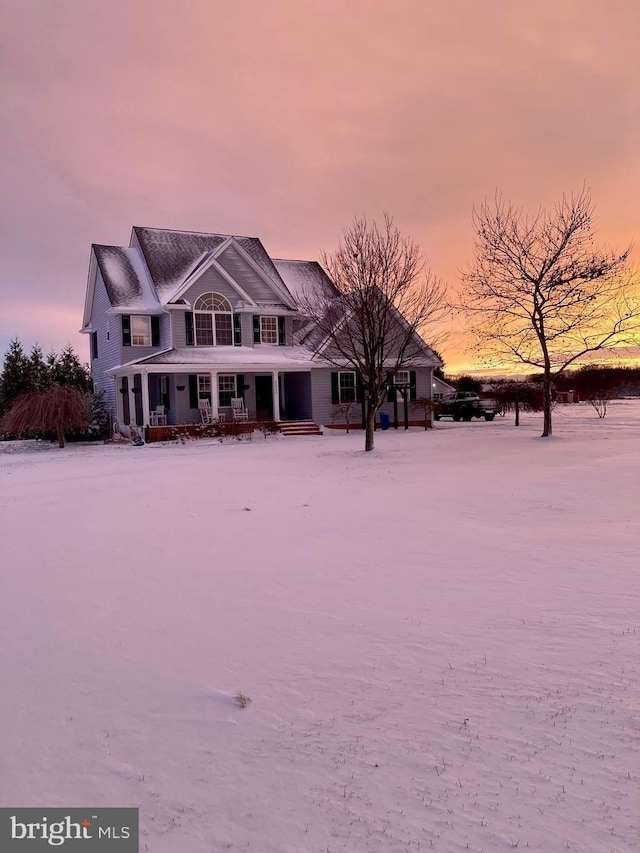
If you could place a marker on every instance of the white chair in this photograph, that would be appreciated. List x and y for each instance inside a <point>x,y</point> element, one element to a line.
<point>238,409</point>
<point>158,417</point>
<point>206,415</point>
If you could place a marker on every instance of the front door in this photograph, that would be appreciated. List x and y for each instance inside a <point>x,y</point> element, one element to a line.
<point>264,398</point>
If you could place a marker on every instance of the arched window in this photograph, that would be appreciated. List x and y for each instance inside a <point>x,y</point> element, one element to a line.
<point>213,321</point>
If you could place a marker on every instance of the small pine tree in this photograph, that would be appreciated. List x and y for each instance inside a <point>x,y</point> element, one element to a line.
<point>16,378</point>
<point>69,370</point>
<point>39,372</point>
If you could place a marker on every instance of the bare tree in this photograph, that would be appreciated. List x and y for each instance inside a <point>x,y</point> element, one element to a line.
<point>598,385</point>
<point>425,407</point>
<point>60,409</point>
<point>386,297</point>
<point>516,397</point>
<point>345,412</point>
<point>541,292</point>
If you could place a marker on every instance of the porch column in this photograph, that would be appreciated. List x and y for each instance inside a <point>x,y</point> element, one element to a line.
<point>144,383</point>
<point>132,402</point>
<point>276,395</point>
<point>214,395</point>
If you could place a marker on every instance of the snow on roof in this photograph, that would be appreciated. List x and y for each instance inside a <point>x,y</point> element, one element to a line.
<point>172,255</point>
<point>237,356</point>
<point>125,277</point>
<point>249,358</point>
<point>305,280</point>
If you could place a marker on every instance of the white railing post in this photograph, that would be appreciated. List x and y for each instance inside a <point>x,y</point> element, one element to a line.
<point>276,395</point>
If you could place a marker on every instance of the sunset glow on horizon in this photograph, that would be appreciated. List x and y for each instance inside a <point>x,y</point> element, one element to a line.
<point>284,120</point>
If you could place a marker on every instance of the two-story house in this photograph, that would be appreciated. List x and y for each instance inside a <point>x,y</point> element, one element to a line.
<point>180,318</point>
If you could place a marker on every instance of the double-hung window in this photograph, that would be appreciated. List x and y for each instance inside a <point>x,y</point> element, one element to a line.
<point>140,330</point>
<point>347,386</point>
<point>204,387</point>
<point>269,330</point>
<point>226,389</point>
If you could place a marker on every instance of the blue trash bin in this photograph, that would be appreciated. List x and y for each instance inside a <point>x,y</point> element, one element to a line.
<point>384,420</point>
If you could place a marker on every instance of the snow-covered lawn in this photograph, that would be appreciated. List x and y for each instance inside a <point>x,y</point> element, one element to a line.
<point>440,639</point>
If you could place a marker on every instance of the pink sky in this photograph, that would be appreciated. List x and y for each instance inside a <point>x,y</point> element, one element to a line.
<point>284,119</point>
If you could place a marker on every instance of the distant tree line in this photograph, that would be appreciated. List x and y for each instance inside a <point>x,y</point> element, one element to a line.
<point>597,384</point>
<point>48,396</point>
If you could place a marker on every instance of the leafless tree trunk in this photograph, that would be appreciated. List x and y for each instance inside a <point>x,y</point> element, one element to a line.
<point>540,292</point>
<point>425,405</point>
<point>384,300</point>
<point>343,410</point>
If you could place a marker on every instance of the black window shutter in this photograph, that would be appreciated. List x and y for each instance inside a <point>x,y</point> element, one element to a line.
<point>391,393</point>
<point>359,388</point>
<point>240,385</point>
<point>412,385</point>
<point>94,344</point>
<point>237,330</point>
<point>126,413</point>
<point>188,329</point>
<point>126,330</point>
<point>256,329</point>
<point>155,331</point>
<point>282,338</point>
<point>166,397</point>
<point>335,392</point>
<point>193,391</point>
<point>137,401</point>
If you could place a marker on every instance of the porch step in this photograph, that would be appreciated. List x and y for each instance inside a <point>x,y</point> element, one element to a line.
<point>299,428</point>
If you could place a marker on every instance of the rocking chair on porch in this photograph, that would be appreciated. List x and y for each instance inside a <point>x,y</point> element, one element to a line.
<point>238,409</point>
<point>206,414</point>
<point>157,417</point>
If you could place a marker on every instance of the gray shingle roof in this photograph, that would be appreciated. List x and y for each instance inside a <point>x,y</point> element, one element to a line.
<point>125,277</point>
<point>305,280</point>
<point>172,255</point>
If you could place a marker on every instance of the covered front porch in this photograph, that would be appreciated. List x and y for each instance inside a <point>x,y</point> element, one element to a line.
<point>157,398</point>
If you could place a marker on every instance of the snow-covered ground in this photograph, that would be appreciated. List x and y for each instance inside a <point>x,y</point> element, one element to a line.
<point>440,639</point>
